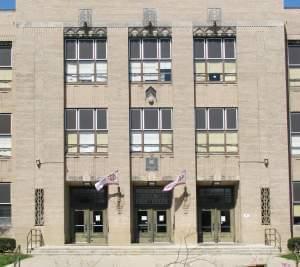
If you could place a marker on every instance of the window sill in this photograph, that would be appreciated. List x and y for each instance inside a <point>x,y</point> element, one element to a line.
<point>78,155</point>
<point>217,154</point>
<point>150,82</point>
<point>154,154</point>
<point>87,83</point>
<point>224,83</point>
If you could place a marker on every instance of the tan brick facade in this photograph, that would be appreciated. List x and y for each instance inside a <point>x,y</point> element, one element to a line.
<point>39,95</point>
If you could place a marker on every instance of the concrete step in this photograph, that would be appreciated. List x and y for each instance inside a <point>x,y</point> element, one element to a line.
<point>220,249</point>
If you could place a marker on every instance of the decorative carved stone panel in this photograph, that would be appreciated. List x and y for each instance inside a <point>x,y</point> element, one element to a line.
<point>78,32</point>
<point>211,31</point>
<point>265,206</point>
<point>149,15</point>
<point>214,15</point>
<point>150,31</point>
<point>39,206</point>
<point>85,17</point>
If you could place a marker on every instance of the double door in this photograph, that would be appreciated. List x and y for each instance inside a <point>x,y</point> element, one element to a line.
<point>216,225</point>
<point>153,225</point>
<point>89,226</point>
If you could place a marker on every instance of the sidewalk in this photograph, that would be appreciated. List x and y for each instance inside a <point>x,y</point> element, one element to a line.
<point>153,261</point>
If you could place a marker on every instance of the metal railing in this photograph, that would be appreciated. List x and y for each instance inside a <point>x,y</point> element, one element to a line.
<point>34,239</point>
<point>17,256</point>
<point>273,238</point>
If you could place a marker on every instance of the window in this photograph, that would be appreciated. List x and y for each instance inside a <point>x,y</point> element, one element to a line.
<point>151,130</point>
<point>291,3</point>
<point>85,61</point>
<point>86,130</point>
<point>5,135</point>
<point>296,202</point>
<point>295,133</point>
<point>216,130</point>
<point>7,4</point>
<point>294,63</point>
<point>215,60</point>
<point>150,60</point>
<point>5,204</point>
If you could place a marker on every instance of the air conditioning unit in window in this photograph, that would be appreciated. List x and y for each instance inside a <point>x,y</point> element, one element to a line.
<point>214,77</point>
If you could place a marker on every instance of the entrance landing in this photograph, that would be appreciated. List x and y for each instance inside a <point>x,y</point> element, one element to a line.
<point>159,249</point>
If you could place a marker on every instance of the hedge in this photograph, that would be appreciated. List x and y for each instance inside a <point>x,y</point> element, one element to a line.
<point>292,242</point>
<point>7,244</point>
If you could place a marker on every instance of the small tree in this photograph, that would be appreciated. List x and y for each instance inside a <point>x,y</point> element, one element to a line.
<point>294,247</point>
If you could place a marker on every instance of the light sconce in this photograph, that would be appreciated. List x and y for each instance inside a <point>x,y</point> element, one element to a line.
<point>266,162</point>
<point>38,163</point>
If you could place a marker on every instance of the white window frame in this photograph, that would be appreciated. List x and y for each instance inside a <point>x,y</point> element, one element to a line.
<point>93,112</point>
<point>170,47</point>
<point>224,49</point>
<point>204,49</point>
<point>76,50</point>
<point>236,119</point>
<point>141,119</point>
<point>93,45</point>
<point>208,121</point>
<point>292,65</point>
<point>96,54</point>
<point>157,49</point>
<point>212,58</point>
<point>158,117</point>
<point>140,48</point>
<point>76,119</point>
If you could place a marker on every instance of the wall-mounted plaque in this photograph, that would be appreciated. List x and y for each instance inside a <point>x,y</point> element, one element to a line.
<point>151,164</point>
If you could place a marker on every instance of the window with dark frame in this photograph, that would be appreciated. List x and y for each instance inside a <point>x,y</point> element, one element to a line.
<point>215,60</point>
<point>216,130</point>
<point>296,202</point>
<point>150,60</point>
<point>86,130</point>
<point>5,204</point>
<point>294,63</point>
<point>151,130</point>
<point>5,135</point>
<point>295,132</point>
<point>85,61</point>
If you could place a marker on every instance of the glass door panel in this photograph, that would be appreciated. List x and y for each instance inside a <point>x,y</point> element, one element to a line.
<point>161,225</point>
<point>98,226</point>
<point>225,225</point>
<point>207,225</point>
<point>144,223</point>
<point>80,226</point>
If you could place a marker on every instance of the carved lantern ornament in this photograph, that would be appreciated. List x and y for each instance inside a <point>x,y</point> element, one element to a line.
<point>150,95</point>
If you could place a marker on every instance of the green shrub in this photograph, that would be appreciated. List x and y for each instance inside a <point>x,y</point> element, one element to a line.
<point>7,244</point>
<point>292,243</point>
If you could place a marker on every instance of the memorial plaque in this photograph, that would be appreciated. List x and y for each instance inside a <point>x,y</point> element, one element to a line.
<point>151,164</point>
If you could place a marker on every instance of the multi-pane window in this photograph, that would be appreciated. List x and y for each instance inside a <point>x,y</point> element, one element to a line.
<point>151,130</point>
<point>5,135</point>
<point>150,60</point>
<point>217,130</point>
<point>296,202</point>
<point>294,63</point>
<point>215,60</point>
<point>85,61</point>
<point>5,204</point>
<point>86,130</point>
<point>295,133</point>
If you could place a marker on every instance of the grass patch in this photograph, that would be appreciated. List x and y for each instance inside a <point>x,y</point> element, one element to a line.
<point>289,256</point>
<point>6,259</point>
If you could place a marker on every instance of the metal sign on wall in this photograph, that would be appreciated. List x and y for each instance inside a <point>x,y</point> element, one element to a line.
<point>151,164</point>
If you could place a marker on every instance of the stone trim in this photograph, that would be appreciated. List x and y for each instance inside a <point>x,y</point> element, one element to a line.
<point>78,32</point>
<point>150,31</point>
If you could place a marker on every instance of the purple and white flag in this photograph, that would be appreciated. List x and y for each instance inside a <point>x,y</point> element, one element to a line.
<point>110,179</point>
<point>181,179</point>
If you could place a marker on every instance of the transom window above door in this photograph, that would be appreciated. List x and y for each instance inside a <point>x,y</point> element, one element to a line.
<point>85,61</point>
<point>150,60</point>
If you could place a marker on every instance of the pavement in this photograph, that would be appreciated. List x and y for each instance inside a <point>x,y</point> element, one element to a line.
<point>155,261</point>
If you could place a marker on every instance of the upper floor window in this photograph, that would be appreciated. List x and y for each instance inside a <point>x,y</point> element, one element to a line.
<point>294,63</point>
<point>291,3</point>
<point>5,135</point>
<point>151,130</point>
<point>5,204</point>
<point>5,55</point>
<point>7,4</point>
<point>85,61</point>
<point>86,130</point>
<point>150,60</point>
<point>296,202</point>
<point>216,130</point>
<point>215,60</point>
<point>295,133</point>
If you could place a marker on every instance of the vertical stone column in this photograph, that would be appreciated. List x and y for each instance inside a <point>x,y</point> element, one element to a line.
<point>262,130</point>
<point>184,132</point>
<point>118,125</point>
<point>39,131</point>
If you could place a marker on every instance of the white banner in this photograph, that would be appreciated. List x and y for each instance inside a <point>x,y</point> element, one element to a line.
<point>110,179</point>
<point>181,179</point>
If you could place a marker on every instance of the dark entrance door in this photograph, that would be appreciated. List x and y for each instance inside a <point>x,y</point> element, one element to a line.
<point>152,215</point>
<point>88,220</point>
<point>216,214</point>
